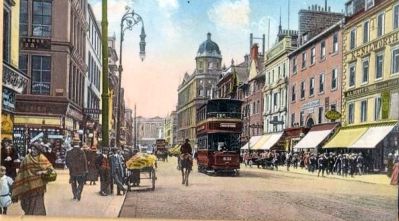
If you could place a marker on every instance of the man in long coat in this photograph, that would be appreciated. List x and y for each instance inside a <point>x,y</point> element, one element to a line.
<point>117,171</point>
<point>77,163</point>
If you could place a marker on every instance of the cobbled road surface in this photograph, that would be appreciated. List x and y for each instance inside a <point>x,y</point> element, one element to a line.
<point>259,195</point>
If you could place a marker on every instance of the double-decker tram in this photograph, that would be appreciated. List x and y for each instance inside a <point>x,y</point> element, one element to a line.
<point>218,132</point>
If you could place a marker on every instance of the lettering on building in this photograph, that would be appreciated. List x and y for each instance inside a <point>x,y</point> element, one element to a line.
<point>35,43</point>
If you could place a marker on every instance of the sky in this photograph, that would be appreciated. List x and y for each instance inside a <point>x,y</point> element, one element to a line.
<point>176,28</point>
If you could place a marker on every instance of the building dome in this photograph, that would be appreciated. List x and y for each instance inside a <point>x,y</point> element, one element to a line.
<point>209,48</point>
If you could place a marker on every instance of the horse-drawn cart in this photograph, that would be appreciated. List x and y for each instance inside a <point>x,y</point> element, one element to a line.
<point>141,167</point>
<point>161,151</point>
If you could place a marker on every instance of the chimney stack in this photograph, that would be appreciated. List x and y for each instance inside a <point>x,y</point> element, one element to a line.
<point>254,52</point>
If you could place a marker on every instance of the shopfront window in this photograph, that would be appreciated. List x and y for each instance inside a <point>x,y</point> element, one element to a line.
<point>377,109</point>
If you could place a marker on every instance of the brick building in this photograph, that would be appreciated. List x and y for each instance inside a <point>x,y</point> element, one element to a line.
<point>231,78</point>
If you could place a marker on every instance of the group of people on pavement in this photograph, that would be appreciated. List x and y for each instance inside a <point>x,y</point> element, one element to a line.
<point>28,183</point>
<point>323,163</point>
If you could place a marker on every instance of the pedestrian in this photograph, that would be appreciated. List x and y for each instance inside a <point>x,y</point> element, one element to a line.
<point>395,178</point>
<point>359,163</point>
<point>390,165</point>
<point>5,190</point>
<point>9,158</point>
<point>321,161</point>
<point>92,176</point>
<point>76,162</point>
<point>104,168</point>
<point>117,171</point>
<point>288,161</point>
<point>344,165</point>
<point>29,186</point>
<point>337,164</point>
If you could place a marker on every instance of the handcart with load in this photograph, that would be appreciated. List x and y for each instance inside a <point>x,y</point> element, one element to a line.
<point>139,167</point>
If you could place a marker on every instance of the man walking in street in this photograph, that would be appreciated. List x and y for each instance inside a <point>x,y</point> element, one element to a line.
<point>117,171</point>
<point>104,168</point>
<point>77,164</point>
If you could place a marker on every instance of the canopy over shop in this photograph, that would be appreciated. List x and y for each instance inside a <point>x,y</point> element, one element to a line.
<point>316,137</point>
<point>376,140</point>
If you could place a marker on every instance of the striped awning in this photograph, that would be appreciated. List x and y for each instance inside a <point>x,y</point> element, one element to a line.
<point>372,137</point>
<point>346,137</point>
<point>251,142</point>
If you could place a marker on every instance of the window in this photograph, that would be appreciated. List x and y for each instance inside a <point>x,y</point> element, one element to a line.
<point>334,79</point>
<point>396,17</point>
<point>333,107</point>
<point>279,72</point>
<point>321,83</point>
<point>395,61</point>
<point>292,119</point>
<point>312,55</point>
<point>377,108</point>
<point>301,118</point>
<point>363,111</point>
<point>6,34</point>
<point>353,39</point>
<point>335,42</point>
<point>380,24</point>
<point>41,75</point>
<point>351,112</point>
<point>294,66</point>
<point>379,65</point>
<point>369,4</point>
<point>293,95</point>
<point>320,115</point>
<point>352,74</point>
<point>23,18</point>
<point>23,63</point>
<point>322,50</point>
<point>303,59</point>
<point>366,32</point>
<point>311,87</point>
<point>365,74</point>
<point>302,89</point>
<point>275,97</point>
<point>41,19</point>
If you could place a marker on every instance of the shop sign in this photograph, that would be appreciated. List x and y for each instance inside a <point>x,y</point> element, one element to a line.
<point>376,45</point>
<point>74,114</point>
<point>311,105</point>
<point>8,100</point>
<point>227,125</point>
<point>53,136</point>
<point>333,115</point>
<point>14,79</point>
<point>385,101</point>
<point>92,111</point>
<point>35,43</point>
<point>372,89</point>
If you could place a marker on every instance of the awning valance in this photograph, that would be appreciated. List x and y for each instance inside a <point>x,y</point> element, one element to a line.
<point>260,142</point>
<point>313,139</point>
<point>252,142</point>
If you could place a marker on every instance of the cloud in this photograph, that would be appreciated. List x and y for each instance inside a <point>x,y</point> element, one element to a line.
<point>116,8</point>
<point>230,14</point>
<point>168,5</point>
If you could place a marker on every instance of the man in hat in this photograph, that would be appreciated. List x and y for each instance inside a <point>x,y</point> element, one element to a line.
<point>77,163</point>
<point>117,171</point>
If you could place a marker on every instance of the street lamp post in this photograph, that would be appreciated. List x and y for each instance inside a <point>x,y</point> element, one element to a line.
<point>129,19</point>
<point>105,90</point>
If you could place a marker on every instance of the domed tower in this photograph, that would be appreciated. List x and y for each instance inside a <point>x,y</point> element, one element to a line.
<point>208,56</point>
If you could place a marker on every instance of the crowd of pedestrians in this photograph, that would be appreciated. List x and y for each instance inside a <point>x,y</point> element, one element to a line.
<point>343,164</point>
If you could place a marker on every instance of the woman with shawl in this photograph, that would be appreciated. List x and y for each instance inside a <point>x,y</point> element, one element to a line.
<point>29,186</point>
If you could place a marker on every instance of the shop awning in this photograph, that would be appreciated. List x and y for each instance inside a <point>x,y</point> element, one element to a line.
<point>346,137</point>
<point>271,141</point>
<point>252,142</point>
<point>373,136</point>
<point>316,136</point>
<point>260,142</point>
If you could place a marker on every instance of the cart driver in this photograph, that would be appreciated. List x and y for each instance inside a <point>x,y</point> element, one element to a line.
<point>186,148</point>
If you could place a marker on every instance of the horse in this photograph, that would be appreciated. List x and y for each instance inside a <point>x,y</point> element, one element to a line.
<point>186,165</point>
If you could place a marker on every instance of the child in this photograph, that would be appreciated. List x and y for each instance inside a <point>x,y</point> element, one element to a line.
<point>5,190</point>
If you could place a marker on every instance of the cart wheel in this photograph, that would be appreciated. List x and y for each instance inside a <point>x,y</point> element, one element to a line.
<point>153,176</point>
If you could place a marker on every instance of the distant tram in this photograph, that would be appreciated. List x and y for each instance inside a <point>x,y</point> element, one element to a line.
<point>218,132</point>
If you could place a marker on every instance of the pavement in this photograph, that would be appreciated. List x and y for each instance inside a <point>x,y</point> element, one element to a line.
<point>59,202</point>
<point>368,178</point>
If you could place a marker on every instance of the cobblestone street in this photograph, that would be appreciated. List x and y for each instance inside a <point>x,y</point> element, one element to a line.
<point>260,195</point>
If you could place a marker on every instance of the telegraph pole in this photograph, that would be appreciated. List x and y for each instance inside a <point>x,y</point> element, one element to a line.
<point>105,92</point>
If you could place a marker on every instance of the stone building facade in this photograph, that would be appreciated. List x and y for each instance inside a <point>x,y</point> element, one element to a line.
<point>315,78</point>
<point>197,88</point>
<point>52,54</point>
<point>276,81</point>
<point>149,129</point>
<point>170,129</point>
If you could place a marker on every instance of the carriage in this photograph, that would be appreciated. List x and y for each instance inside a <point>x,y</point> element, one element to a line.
<point>161,151</point>
<point>140,168</point>
<point>218,133</point>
